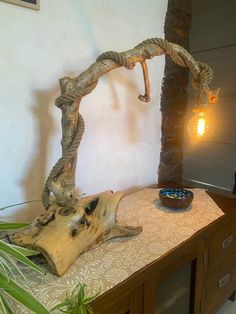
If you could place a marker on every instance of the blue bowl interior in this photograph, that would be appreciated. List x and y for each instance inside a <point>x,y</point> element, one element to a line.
<point>176,193</point>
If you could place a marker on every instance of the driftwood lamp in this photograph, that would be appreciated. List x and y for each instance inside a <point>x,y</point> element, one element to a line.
<point>74,225</point>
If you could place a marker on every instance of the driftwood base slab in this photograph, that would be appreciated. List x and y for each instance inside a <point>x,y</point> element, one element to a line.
<point>63,233</point>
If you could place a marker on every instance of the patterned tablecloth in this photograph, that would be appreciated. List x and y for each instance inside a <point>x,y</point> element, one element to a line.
<point>117,259</point>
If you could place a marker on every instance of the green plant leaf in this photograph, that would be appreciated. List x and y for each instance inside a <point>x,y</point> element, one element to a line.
<point>3,308</point>
<point>16,254</point>
<point>9,261</point>
<point>24,251</point>
<point>89,310</point>
<point>5,268</point>
<point>88,300</point>
<point>58,306</point>
<point>76,302</point>
<point>12,225</point>
<point>80,293</point>
<point>21,295</point>
<point>6,303</point>
<point>83,309</point>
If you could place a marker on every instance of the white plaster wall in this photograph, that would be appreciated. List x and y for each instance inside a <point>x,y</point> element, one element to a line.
<point>121,145</point>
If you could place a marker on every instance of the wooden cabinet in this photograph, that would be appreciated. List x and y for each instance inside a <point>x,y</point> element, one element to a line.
<point>174,284</point>
<point>120,301</point>
<point>194,278</point>
<point>220,280</point>
<point>220,284</point>
<point>221,244</point>
<point>173,295</point>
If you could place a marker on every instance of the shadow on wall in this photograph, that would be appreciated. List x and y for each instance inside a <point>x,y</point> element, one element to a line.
<point>120,119</point>
<point>35,176</point>
<point>37,171</point>
<point>134,108</point>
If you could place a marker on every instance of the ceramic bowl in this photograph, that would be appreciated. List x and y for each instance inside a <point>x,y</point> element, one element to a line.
<point>176,198</point>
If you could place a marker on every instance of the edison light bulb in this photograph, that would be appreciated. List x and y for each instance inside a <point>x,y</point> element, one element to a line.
<point>198,125</point>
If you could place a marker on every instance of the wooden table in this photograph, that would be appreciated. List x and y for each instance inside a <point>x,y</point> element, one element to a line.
<point>182,262</point>
<point>211,254</point>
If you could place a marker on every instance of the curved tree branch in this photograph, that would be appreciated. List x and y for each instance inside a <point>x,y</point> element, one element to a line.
<point>61,180</point>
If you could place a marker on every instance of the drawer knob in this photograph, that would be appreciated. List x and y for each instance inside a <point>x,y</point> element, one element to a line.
<point>226,242</point>
<point>223,281</point>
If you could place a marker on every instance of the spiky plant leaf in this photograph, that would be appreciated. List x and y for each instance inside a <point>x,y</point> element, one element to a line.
<point>8,253</point>
<point>24,251</point>
<point>5,303</point>
<point>80,293</point>
<point>12,225</point>
<point>14,252</point>
<point>3,308</point>
<point>5,268</point>
<point>76,302</point>
<point>10,262</point>
<point>17,292</point>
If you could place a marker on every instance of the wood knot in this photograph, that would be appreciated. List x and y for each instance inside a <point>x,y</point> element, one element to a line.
<point>66,211</point>
<point>45,219</point>
<point>90,207</point>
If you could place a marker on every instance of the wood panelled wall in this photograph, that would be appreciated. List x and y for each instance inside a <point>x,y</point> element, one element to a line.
<point>213,41</point>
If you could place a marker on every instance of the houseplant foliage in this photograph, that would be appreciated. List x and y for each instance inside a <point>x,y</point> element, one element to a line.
<point>77,302</point>
<point>9,254</point>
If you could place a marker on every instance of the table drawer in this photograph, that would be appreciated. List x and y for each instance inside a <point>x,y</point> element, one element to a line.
<point>222,244</point>
<point>220,284</point>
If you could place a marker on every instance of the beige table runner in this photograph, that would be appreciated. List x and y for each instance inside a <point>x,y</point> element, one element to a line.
<point>117,259</point>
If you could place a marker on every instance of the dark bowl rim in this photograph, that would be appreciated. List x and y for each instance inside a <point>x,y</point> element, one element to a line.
<point>183,189</point>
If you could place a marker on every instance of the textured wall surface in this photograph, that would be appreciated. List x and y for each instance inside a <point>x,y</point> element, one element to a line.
<point>174,95</point>
<point>121,145</point>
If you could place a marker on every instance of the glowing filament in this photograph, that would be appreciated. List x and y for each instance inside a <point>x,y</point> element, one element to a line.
<point>201,125</point>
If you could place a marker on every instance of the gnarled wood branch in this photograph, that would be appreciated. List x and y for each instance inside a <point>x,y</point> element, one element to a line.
<point>61,181</point>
